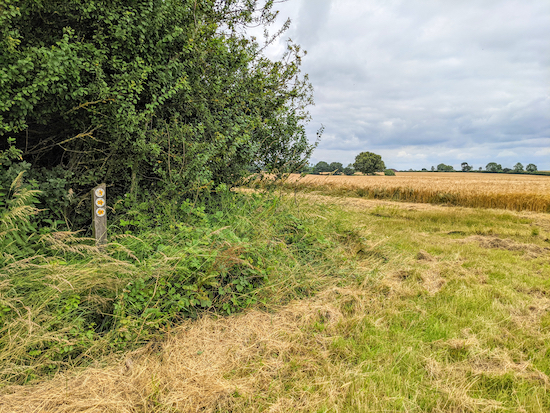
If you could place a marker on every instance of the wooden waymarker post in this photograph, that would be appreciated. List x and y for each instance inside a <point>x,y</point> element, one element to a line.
<point>99,214</point>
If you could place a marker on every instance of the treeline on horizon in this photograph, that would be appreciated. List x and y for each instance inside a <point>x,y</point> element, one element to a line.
<point>337,168</point>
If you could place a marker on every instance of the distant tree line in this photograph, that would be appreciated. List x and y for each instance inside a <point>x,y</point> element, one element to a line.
<point>369,163</point>
<point>492,167</point>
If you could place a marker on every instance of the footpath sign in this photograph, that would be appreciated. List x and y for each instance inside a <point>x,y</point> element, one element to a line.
<point>99,214</point>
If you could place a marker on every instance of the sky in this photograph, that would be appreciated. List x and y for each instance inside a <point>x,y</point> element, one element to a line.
<point>426,82</point>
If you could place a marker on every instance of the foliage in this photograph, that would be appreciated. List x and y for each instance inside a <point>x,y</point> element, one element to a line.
<point>437,315</point>
<point>17,231</point>
<point>389,172</point>
<point>321,166</point>
<point>336,167</point>
<point>518,167</point>
<point>166,95</point>
<point>444,168</point>
<point>531,168</point>
<point>221,255</point>
<point>465,167</point>
<point>305,169</point>
<point>493,167</point>
<point>369,163</point>
<point>349,170</point>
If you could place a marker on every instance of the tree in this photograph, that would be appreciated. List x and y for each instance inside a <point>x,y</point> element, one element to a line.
<point>336,167</point>
<point>349,170</point>
<point>531,168</point>
<point>433,168</point>
<point>171,95</point>
<point>321,167</point>
<point>389,172</point>
<point>518,167</point>
<point>465,167</point>
<point>493,167</point>
<point>306,169</point>
<point>444,168</point>
<point>369,163</point>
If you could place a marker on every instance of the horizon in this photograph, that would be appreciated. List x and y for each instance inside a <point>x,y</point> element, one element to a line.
<point>457,168</point>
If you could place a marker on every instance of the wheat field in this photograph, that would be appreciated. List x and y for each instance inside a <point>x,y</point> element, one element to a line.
<point>504,191</point>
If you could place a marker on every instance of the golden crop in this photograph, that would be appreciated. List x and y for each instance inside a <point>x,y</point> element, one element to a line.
<point>506,191</point>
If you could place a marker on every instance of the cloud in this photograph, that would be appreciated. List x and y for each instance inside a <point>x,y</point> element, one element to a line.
<point>441,81</point>
<point>312,19</point>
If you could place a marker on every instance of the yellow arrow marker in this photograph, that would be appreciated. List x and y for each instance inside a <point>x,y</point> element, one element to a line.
<point>100,202</point>
<point>100,212</point>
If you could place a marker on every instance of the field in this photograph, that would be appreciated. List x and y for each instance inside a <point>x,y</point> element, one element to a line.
<point>514,192</point>
<point>409,308</point>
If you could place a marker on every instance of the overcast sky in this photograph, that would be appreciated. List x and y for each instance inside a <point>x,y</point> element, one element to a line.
<point>427,81</point>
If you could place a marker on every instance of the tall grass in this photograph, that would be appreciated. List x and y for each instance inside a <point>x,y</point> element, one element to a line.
<point>69,302</point>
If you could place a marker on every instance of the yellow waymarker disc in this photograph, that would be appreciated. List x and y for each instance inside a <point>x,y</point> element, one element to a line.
<point>100,212</point>
<point>100,202</point>
<point>100,192</point>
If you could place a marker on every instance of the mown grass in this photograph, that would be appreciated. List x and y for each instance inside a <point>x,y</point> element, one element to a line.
<point>443,321</point>
<point>410,309</point>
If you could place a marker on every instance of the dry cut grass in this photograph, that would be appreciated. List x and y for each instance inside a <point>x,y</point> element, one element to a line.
<point>206,365</point>
<point>503,191</point>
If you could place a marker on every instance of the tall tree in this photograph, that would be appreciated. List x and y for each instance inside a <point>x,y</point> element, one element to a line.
<point>321,167</point>
<point>493,167</point>
<point>444,168</point>
<point>518,167</point>
<point>369,163</point>
<point>336,167</point>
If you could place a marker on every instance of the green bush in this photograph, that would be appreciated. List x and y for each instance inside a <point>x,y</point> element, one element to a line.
<point>349,170</point>
<point>389,172</point>
<point>164,97</point>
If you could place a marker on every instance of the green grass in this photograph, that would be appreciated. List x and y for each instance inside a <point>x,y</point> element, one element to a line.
<point>400,309</point>
<point>485,299</point>
<point>479,341</point>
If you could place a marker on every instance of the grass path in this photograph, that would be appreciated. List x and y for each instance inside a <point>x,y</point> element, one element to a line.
<point>440,309</point>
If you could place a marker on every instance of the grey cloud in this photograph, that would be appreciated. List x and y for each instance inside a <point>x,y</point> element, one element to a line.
<point>312,18</point>
<point>429,81</point>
